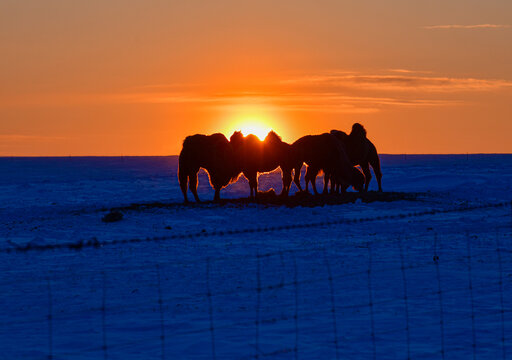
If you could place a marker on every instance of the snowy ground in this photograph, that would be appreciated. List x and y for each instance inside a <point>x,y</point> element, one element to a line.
<point>318,288</point>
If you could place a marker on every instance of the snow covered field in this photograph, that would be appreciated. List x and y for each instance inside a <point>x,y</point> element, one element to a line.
<point>426,278</point>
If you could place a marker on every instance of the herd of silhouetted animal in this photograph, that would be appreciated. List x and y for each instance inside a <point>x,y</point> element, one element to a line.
<point>336,154</point>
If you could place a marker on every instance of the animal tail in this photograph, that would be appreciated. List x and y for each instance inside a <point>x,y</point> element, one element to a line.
<point>373,159</point>
<point>183,179</point>
<point>183,169</point>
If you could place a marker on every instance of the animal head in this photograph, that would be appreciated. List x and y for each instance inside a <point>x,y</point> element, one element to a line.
<point>358,179</point>
<point>272,138</point>
<point>237,138</point>
<point>358,130</point>
<point>252,139</point>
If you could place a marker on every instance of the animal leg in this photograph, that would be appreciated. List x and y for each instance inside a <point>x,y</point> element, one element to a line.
<point>216,197</point>
<point>287,180</point>
<point>378,175</point>
<point>333,185</point>
<point>253,184</point>
<point>193,185</point>
<point>367,174</point>
<point>313,185</point>
<point>375,163</point>
<point>379,181</point>
<point>307,178</point>
<point>326,183</point>
<point>311,176</point>
<point>296,178</point>
<point>183,179</point>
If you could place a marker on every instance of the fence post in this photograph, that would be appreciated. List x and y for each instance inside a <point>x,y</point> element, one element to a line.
<point>210,307</point>
<point>161,308</point>
<point>296,315</point>
<point>258,304</point>
<point>440,296</point>
<point>470,281</point>
<point>50,320</point>
<point>370,300</point>
<point>502,311</point>
<point>406,302</point>
<point>104,315</point>
<point>333,304</point>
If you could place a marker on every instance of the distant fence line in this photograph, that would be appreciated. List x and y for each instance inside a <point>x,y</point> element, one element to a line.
<point>329,310</point>
<point>95,243</point>
<point>283,284</point>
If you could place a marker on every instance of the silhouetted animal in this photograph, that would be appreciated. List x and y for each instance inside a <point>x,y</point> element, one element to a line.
<point>255,156</point>
<point>212,153</point>
<point>324,152</point>
<point>361,151</point>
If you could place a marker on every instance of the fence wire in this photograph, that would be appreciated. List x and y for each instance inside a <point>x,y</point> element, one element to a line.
<point>291,303</point>
<point>95,243</point>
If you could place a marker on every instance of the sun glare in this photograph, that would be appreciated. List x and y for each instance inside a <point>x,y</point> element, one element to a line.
<point>258,129</point>
<point>256,119</point>
<point>248,126</point>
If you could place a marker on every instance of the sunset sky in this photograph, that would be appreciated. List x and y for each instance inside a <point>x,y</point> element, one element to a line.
<point>135,77</point>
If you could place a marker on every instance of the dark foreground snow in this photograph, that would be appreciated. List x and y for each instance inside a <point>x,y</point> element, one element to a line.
<point>424,277</point>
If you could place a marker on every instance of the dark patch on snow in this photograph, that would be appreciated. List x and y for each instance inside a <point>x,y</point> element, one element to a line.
<point>298,199</point>
<point>96,244</point>
<point>112,216</point>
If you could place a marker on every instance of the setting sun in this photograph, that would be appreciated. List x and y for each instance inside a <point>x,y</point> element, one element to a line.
<point>256,128</point>
<point>250,118</point>
<point>297,68</point>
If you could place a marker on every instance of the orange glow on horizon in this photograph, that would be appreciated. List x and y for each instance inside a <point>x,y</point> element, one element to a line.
<point>256,119</point>
<point>253,127</point>
<point>67,90</point>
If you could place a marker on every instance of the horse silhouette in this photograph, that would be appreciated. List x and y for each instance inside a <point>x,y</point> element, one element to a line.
<point>324,153</point>
<point>362,152</point>
<point>255,156</point>
<point>213,153</point>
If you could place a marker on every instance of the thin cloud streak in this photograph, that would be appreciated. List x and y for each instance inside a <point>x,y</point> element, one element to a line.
<point>21,137</point>
<point>336,91</point>
<point>409,71</point>
<point>150,87</point>
<point>405,82</point>
<point>457,26</point>
<point>307,101</point>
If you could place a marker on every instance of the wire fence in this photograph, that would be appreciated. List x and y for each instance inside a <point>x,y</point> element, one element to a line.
<point>441,297</point>
<point>95,243</point>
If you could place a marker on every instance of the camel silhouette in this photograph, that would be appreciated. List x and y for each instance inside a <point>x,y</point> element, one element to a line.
<point>323,153</point>
<point>213,153</point>
<point>255,156</point>
<point>362,152</point>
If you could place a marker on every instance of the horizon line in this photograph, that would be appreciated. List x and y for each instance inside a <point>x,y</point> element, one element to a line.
<point>132,156</point>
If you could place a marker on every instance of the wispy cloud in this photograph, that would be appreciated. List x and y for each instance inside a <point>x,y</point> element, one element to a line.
<point>476,26</point>
<point>330,92</point>
<point>25,138</point>
<point>302,100</point>
<point>409,71</point>
<point>402,81</point>
<point>150,87</point>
